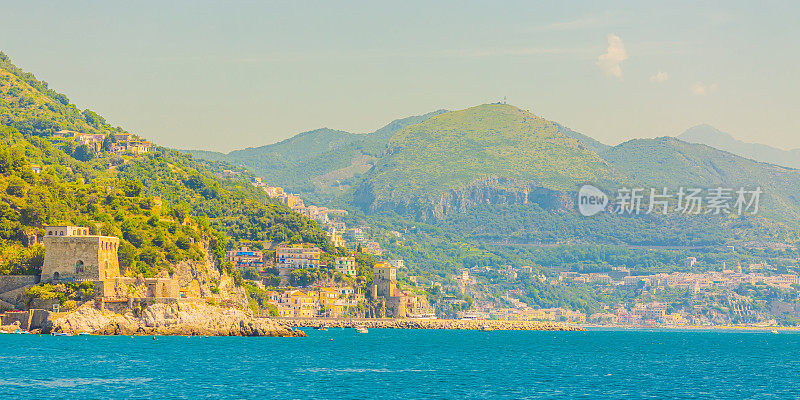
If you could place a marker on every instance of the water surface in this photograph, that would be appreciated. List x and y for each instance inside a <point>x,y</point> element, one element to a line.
<point>408,364</point>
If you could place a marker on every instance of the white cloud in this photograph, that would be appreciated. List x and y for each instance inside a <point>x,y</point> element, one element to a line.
<point>701,89</point>
<point>614,56</point>
<point>659,77</point>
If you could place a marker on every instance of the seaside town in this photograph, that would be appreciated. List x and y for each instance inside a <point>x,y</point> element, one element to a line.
<point>362,280</point>
<point>72,254</point>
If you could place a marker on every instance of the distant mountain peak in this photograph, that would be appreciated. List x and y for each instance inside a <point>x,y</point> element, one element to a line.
<point>705,132</point>
<point>711,136</point>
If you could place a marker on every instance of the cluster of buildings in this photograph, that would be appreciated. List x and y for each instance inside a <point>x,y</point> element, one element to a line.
<point>323,215</point>
<point>125,142</point>
<point>328,302</point>
<point>398,303</point>
<point>72,254</point>
<point>521,311</point>
<point>642,314</point>
<point>728,279</point>
<point>331,218</point>
<point>289,257</point>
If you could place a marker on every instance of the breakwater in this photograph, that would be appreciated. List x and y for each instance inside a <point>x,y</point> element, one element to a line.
<point>499,325</point>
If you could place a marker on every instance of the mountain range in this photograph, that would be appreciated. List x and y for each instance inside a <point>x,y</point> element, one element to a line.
<point>496,172</point>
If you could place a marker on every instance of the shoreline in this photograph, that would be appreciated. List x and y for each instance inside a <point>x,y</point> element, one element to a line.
<point>696,328</point>
<point>408,323</point>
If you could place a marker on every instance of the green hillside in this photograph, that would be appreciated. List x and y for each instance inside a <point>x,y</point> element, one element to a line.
<point>672,163</point>
<point>322,163</point>
<point>446,153</point>
<point>162,204</point>
<point>31,107</point>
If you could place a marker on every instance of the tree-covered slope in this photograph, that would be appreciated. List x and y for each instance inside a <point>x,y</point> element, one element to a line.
<point>494,145</point>
<point>322,163</point>
<point>31,107</point>
<point>672,163</point>
<point>164,205</point>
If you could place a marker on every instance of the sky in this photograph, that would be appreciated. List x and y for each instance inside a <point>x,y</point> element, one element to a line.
<point>228,75</point>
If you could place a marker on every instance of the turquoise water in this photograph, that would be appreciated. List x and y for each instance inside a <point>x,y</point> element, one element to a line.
<point>407,364</point>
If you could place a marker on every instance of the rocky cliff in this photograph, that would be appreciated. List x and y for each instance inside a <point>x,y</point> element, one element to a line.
<point>178,318</point>
<point>489,190</point>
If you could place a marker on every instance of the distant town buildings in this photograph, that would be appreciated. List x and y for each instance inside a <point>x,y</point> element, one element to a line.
<point>346,265</point>
<point>292,256</point>
<point>244,257</point>
<point>329,302</point>
<point>728,279</point>
<point>124,142</point>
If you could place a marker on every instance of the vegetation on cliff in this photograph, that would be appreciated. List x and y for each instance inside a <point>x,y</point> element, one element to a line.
<point>164,206</point>
<point>33,108</point>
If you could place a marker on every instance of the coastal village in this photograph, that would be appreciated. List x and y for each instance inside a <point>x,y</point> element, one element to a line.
<point>720,283</point>
<point>339,301</point>
<point>715,294</point>
<point>75,255</point>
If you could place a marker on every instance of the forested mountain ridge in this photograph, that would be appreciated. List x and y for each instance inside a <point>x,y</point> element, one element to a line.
<point>670,162</point>
<point>497,173</point>
<point>324,161</point>
<point>438,167</point>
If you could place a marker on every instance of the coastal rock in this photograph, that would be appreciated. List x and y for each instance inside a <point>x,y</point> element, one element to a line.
<point>189,318</point>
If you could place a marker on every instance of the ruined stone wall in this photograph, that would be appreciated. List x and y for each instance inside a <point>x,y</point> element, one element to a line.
<point>80,258</point>
<point>11,282</point>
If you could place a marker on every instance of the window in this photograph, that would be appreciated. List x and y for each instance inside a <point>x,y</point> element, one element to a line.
<point>79,267</point>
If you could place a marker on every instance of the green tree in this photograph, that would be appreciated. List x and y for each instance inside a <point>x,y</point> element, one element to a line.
<point>83,153</point>
<point>131,187</point>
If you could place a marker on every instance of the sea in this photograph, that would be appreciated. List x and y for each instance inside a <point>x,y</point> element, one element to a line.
<point>407,364</point>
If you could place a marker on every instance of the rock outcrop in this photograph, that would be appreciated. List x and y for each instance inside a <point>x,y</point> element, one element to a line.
<point>179,318</point>
<point>494,190</point>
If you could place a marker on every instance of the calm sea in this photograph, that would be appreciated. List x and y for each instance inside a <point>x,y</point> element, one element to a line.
<point>407,364</point>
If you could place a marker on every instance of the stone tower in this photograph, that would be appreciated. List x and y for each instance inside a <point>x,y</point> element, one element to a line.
<point>71,254</point>
<point>384,278</point>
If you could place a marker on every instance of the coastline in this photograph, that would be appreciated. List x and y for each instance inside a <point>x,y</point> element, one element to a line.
<point>171,319</point>
<point>407,323</point>
<point>694,328</point>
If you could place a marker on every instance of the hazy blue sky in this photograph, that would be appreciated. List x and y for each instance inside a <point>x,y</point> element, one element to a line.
<point>196,74</point>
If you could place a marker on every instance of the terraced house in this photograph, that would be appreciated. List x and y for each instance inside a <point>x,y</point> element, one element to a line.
<point>292,256</point>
